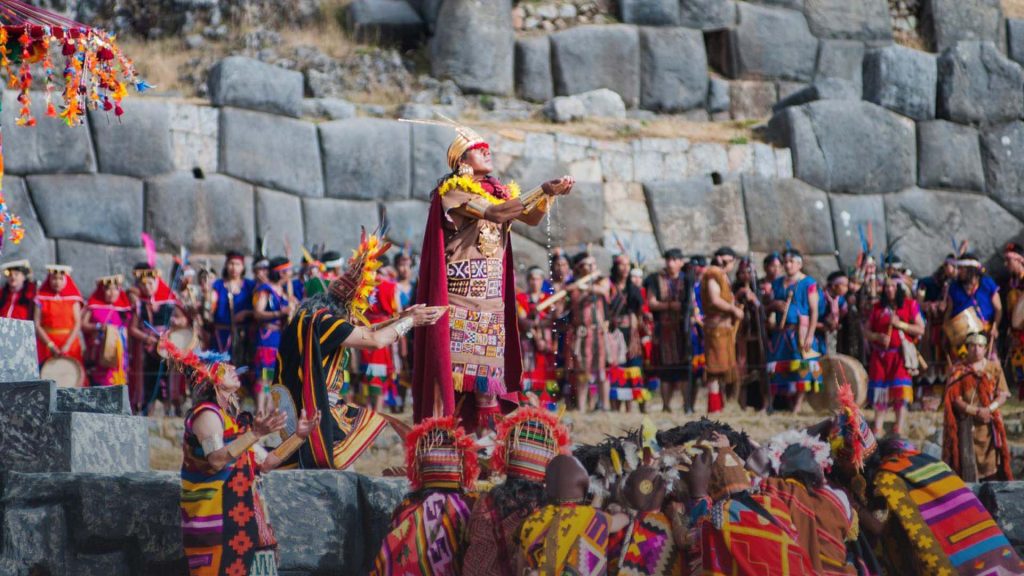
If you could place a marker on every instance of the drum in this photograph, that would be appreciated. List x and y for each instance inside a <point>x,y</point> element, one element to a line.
<point>838,369</point>
<point>961,325</point>
<point>184,338</point>
<point>111,342</point>
<point>281,399</point>
<point>65,372</point>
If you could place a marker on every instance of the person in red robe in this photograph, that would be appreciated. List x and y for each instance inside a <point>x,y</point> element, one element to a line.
<point>58,316</point>
<point>18,294</point>
<point>467,267</point>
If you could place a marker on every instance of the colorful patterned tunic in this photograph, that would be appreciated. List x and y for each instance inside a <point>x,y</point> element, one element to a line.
<point>889,383</point>
<point>474,252</point>
<point>268,338</point>
<point>648,548</point>
<point>566,539</point>
<point>313,365</point>
<point>824,523</point>
<point>750,534</point>
<point>223,521</point>
<point>427,538</point>
<point>791,373</point>
<point>116,316</point>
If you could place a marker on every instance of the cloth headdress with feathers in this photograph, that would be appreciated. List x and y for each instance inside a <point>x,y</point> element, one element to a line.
<point>851,439</point>
<point>440,455</point>
<point>527,440</point>
<point>354,288</point>
<point>203,369</point>
<point>780,442</point>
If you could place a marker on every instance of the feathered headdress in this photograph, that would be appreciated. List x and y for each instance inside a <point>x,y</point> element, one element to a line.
<point>851,438</point>
<point>203,369</point>
<point>353,288</point>
<point>527,440</point>
<point>780,442</point>
<point>439,454</point>
<point>465,137</point>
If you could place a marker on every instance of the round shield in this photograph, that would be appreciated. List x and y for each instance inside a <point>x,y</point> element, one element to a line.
<point>281,399</point>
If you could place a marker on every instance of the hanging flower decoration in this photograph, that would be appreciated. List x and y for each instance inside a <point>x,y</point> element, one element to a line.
<point>96,75</point>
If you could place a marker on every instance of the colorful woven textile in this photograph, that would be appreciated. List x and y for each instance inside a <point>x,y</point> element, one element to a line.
<point>491,549</point>
<point>428,537</point>
<point>949,529</point>
<point>750,534</point>
<point>566,539</point>
<point>222,522</point>
<point>648,549</point>
<point>824,523</point>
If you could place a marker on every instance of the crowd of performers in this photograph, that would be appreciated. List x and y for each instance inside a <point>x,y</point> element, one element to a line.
<point>111,337</point>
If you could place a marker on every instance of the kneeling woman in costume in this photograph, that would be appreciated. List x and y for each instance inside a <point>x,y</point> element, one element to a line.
<point>224,525</point>
<point>313,358</point>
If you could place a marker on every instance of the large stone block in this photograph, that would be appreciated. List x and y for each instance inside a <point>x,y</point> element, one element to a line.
<point>949,156</point>
<point>1015,39</point>
<point>1005,501</point>
<point>17,351</point>
<point>407,220</point>
<point>805,220</point>
<point>429,158</point>
<point>533,69</point>
<point>773,43</point>
<point>1002,149</point>
<point>751,99</point>
<point>650,12</point>
<point>93,208</point>
<point>246,83</point>
<point>38,536</point>
<point>625,208</point>
<point>823,89</point>
<point>474,44</point>
<point>842,59</point>
<point>696,217</point>
<point>353,164</point>
<point>212,214</point>
<point>707,14</point>
<point>978,85</point>
<point>850,215</point>
<point>94,260</point>
<point>50,147</point>
<point>902,80</point>
<point>591,57</point>
<point>927,219</point>
<point>575,219</point>
<point>194,132</point>
<point>29,442</point>
<point>947,22</point>
<point>140,143</point>
<point>337,222</point>
<point>385,22</point>
<point>104,443</point>
<point>827,141</point>
<point>96,400</point>
<point>289,160</point>
<point>35,246</point>
<point>279,220</point>
<point>865,20</point>
<point>673,69</point>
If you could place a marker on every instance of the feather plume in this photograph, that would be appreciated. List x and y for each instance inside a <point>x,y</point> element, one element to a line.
<point>150,246</point>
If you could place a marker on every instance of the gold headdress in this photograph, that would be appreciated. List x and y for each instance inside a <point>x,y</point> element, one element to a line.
<point>465,137</point>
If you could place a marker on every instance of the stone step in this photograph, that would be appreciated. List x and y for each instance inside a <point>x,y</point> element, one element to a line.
<point>18,360</point>
<point>46,429</point>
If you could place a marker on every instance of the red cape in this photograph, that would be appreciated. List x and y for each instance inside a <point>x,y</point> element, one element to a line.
<point>432,358</point>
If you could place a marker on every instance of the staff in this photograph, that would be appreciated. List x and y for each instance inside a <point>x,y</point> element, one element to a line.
<point>561,294</point>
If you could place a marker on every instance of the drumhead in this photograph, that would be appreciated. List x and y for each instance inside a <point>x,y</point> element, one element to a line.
<point>111,338</point>
<point>65,372</point>
<point>281,399</point>
<point>182,338</point>
<point>838,369</point>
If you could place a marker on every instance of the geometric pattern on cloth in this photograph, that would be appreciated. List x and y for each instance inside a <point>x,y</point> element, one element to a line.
<point>648,549</point>
<point>477,333</point>
<point>951,531</point>
<point>566,539</point>
<point>427,537</point>
<point>479,278</point>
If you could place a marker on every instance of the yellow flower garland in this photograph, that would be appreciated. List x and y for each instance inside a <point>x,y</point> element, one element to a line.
<point>467,184</point>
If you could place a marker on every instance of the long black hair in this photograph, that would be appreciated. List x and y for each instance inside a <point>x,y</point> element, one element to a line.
<point>900,294</point>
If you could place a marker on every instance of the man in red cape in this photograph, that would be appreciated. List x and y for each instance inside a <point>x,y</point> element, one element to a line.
<point>467,266</point>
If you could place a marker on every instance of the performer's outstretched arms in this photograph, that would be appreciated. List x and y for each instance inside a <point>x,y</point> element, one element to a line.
<point>387,333</point>
<point>210,431</point>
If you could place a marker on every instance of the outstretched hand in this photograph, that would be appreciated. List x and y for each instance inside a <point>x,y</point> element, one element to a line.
<point>305,426</point>
<point>268,422</point>
<point>424,315</point>
<point>559,187</point>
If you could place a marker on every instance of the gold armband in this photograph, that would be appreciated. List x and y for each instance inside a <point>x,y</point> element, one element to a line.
<point>535,199</point>
<point>288,447</point>
<point>477,207</point>
<point>242,444</point>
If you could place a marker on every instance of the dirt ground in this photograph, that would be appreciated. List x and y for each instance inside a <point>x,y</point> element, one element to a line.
<point>165,433</point>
